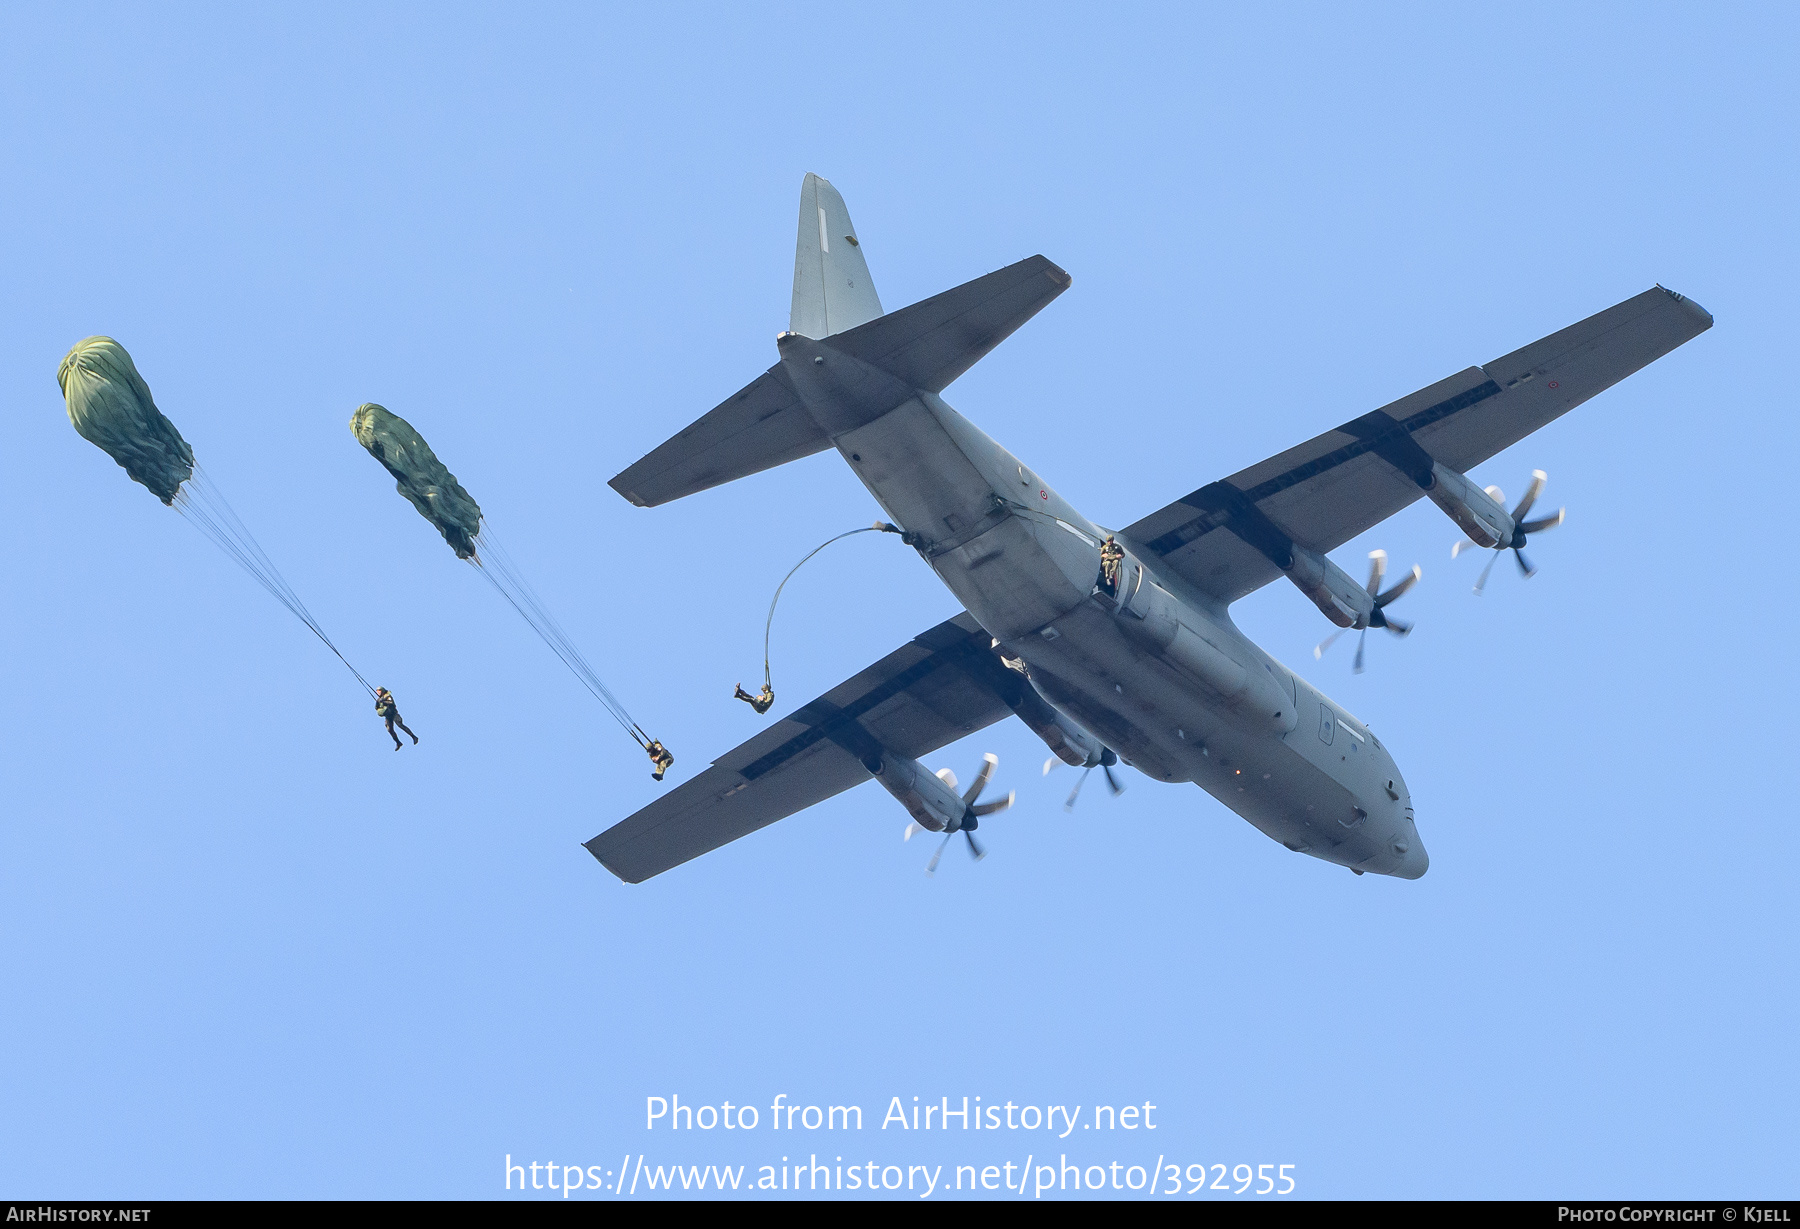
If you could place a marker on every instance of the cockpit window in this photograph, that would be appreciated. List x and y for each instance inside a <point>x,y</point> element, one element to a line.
<point>1327,724</point>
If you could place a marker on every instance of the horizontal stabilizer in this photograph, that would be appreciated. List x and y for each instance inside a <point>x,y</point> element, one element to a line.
<point>758,428</point>
<point>932,342</point>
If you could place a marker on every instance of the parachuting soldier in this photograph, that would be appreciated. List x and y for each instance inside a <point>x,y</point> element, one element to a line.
<point>761,703</point>
<point>660,759</point>
<point>388,712</point>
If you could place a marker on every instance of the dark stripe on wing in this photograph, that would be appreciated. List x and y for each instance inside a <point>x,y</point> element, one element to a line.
<point>1376,432</point>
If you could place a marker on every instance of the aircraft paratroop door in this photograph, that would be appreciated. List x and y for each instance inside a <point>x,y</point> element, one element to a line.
<point>1131,579</point>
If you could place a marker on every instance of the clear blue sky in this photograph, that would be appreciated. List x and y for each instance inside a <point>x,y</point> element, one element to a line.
<point>249,950</point>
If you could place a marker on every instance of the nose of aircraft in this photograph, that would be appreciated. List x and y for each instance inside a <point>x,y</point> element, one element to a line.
<point>1414,861</point>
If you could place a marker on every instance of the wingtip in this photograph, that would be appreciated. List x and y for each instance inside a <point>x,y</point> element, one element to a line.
<point>627,492</point>
<point>622,876</point>
<point>1689,304</point>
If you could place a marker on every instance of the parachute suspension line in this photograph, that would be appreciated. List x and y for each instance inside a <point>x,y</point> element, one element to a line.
<point>768,626</point>
<point>204,506</point>
<point>498,569</point>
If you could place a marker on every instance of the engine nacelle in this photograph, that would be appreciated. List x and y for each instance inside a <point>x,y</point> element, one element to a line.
<point>1330,588</point>
<point>1475,512</point>
<point>932,804</point>
<point>1067,740</point>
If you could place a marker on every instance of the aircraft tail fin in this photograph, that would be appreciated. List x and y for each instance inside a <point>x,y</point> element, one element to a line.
<point>833,291</point>
<point>925,346</point>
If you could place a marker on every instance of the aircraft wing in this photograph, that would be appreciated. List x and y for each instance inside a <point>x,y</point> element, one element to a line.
<point>1225,537</point>
<point>929,692</point>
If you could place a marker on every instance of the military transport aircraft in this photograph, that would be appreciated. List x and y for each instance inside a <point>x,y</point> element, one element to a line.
<point>1134,658</point>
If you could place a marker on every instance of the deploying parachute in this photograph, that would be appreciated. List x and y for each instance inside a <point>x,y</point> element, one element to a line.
<point>419,475</point>
<point>431,488</point>
<point>111,407</point>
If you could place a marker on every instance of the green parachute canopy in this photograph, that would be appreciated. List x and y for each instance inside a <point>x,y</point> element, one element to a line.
<point>419,475</point>
<point>111,407</point>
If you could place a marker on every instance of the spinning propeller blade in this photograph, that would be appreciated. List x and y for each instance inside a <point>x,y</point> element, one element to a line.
<point>1377,569</point>
<point>989,762</point>
<point>1112,782</point>
<point>1538,478</point>
<point>993,808</point>
<point>1080,781</point>
<point>1481,581</point>
<point>1412,578</point>
<point>931,866</point>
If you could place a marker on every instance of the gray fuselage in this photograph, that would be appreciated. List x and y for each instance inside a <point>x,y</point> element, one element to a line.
<point>1156,669</point>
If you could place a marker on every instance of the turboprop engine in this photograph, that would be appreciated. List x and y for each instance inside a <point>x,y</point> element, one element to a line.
<point>1522,529</point>
<point>931,798</point>
<point>934,805</point>
<point>1350,605</point>
<point>1476,511</point>
<point>1342,600</point>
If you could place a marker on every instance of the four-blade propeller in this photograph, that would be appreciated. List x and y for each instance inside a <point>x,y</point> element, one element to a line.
<point>1522,530</point>
<point>1378,617</point>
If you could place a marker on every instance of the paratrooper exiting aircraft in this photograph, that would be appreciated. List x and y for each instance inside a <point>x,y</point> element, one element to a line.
<point>1133,659</point>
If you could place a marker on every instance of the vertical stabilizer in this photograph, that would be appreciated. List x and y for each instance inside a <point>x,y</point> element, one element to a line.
<point>832,288</point>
